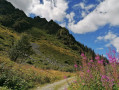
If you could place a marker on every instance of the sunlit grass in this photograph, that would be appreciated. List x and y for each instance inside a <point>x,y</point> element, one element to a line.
<point>29,73</point>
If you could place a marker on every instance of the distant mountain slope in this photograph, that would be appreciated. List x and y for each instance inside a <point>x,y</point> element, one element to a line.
<point>58,48</point>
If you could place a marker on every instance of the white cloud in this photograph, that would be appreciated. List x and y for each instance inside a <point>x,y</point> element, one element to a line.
<point>115,43</point>
<point>82,5</point>
<point>112,38</point>
<point>89,7</point>
<point>107,12</point>
<point>109,36</point>
<point>85,8</point>
<point>70,17</point>
<point>50,9</point>
<point>78,5</point>
<point>100,48</point>
<point>24,5</point>
<point>99,38</point>
<point>83,14</point>
<point>63,24</point>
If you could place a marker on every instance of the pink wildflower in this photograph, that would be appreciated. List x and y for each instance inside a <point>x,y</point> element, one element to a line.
<point>89,64</point>
<point>100,62</point>
<point>75,81</point>
<point>91,60</point>
<point>84,58</point>
<point>82,54</point>
<point>75,65</point>
<point>80,66</point>
<point>88,70</point>
<point>65,77</point>
<point>97,57</point>
<point>114,51</point>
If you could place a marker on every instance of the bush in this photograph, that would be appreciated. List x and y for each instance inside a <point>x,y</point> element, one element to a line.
<point>22,49</point>
<point>4,88</point>
<point>12,80</point>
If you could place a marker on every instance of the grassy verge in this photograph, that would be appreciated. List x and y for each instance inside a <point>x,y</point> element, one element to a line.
<point>22,77</point>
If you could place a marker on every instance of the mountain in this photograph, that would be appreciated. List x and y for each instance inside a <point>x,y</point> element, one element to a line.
<point>34,51</point>
<point>54,46</point>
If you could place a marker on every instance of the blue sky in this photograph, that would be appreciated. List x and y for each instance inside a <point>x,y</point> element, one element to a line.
<point>90,39</point>
<point>94,23</point>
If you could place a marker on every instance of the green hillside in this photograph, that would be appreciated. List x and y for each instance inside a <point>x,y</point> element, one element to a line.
<point>56,45</point>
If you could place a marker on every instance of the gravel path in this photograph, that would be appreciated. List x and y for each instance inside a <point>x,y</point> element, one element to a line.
<point>63,84</point>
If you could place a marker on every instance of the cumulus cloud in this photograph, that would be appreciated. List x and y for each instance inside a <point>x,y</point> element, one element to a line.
<point>49,9</point>
<point>85,8</point>
<point>112,38</point>
<point>24,5</point>
<point>107,12</point>
<point>70,17</point>
<point>109,36</point>
<point>63,24</point>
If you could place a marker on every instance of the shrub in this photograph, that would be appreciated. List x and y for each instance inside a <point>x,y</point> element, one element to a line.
<point>22,49</point>
<point>4,88</point>
<point>12,80</point>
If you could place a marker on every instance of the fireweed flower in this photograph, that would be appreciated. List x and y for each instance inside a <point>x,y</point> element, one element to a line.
<point>105,79</point>
<point>109,56</point>
<point>82,54</point>
<point>84,58</point>
<point>114,51</point>
<point>97,57</point>
<point>110,61</point>
<point>100,61</point>
<point>91,60</point>
<point>88,70</point>
<point>75,65</point>
<point>113,60</point>
<point>89,64</point>
<point>65,77</point>
<point>80,66</point>
<point>75,81</point>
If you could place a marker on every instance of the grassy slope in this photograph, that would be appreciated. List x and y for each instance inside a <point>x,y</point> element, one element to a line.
<point>53,53</point>
<point>29,73</point>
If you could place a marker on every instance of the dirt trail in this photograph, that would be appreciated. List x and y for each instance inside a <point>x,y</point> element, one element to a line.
<point>60,85</point>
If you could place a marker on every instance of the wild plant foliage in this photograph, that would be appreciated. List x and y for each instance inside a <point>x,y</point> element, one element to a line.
<point>97,74</point>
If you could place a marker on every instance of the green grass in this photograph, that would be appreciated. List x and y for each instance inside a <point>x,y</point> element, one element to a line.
<point>4,88</point>
<point>24,76</point>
